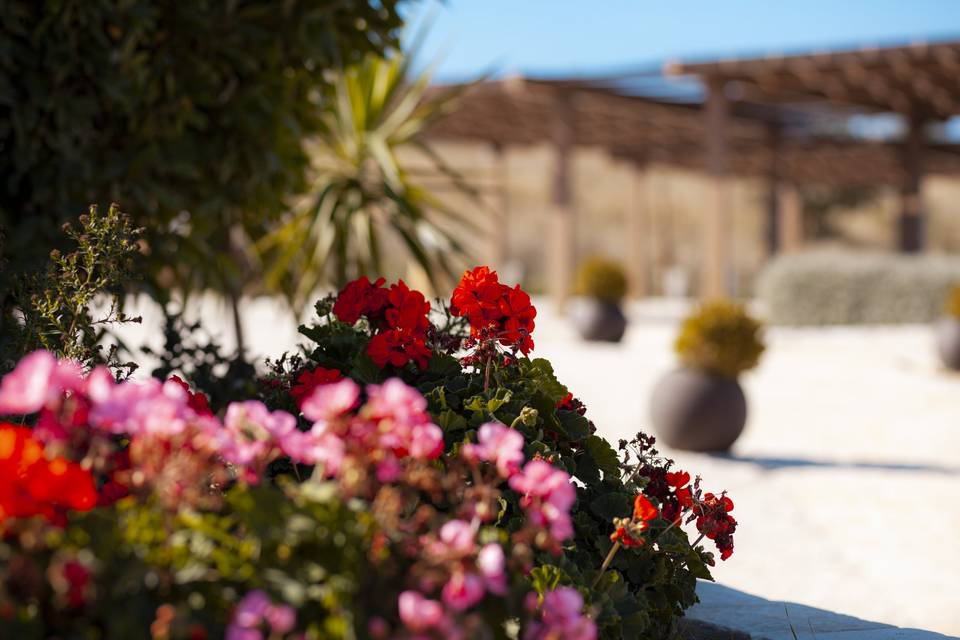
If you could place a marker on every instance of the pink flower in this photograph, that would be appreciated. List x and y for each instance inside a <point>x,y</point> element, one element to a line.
<point>396,401</point>
<point>561,618</point>
<point>547,497</point>
<point>490,562</point>
<point>250,432</point>
<point>139,407</point>
<point>253,610</point>
<point>281,617</point>
<point>500,445</point>
<point>462,591</point>
<point>330,401</point>
<point>37,380</point>
<point>419,613</point>
<point>458,537</point>
<point>426,441</point>
<point>317,446</point>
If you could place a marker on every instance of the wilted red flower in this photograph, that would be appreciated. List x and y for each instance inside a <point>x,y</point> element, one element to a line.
<point>310,379</point>
<point>360,298</point>
<point>714,522</point>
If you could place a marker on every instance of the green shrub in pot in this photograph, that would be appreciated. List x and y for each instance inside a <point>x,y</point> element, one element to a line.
<point>948,331</point>
<point>701,406</point>
<point>602,283</point>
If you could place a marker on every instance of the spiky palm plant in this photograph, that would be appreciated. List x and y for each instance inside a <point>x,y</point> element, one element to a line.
<point>364,194</point>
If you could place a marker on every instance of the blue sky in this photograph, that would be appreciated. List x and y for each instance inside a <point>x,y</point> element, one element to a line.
<point>557,37</point>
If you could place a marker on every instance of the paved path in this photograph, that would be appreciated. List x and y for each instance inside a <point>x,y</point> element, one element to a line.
<point>762,619</point>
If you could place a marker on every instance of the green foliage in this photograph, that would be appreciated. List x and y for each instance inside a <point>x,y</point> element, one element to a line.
<point>53,309</point>
<point>192,114</point>
<point>365,197</point>
<point>720,337</point>
<point>603,279</point>
<point>847,287</point>
<point>953,302</point>
<point>262,539</point>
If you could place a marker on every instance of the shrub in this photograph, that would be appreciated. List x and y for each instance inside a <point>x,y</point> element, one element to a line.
<point>720,337</point>
<point>52,309</point>
<point>953,302</point>
<point>410,476</point>
<point>602,279</point>
<point>193,114</point>
<point>837,287</point>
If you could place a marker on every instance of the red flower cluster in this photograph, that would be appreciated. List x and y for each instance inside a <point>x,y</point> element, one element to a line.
<point>196,400</point>
<point>310,379</point>
<point>31,484</point>
<point>398,315</point>
<point>628,533</point>
<point>715,522</point>
<point>361,298</point>
<point>495,311</point>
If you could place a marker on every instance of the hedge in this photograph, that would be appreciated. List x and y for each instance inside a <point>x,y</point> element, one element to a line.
<point>845,287</point>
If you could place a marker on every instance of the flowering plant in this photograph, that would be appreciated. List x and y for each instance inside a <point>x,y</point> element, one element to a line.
<point>414,476</point>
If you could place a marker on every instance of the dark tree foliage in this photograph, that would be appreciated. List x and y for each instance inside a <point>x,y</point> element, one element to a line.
<point>192,115</point>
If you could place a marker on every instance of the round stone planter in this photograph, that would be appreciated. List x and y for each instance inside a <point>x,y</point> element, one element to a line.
<point>948,341</point>
<point>598,320</point>
<point>698,411</point>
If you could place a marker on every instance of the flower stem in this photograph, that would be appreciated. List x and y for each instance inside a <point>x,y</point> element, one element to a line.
<point>606,563</point>
<point>486,373</point>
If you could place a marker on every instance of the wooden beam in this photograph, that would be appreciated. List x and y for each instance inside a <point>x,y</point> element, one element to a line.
<point>911,211</point>
<point>714,277</point>
<point>790,212</point>
<point>638,234</point>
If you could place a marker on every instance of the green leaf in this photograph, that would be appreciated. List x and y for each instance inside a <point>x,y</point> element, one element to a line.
<point>547,578</point>
<point>575,426</point>
<point>604,455</point>
<point>365,370</point>
<point>541,371</point>
<point>450,420</point>
<point>443,365</point>
<point>612,505</point>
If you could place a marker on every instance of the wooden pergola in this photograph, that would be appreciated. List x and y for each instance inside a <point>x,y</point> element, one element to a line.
<point>759,117</point>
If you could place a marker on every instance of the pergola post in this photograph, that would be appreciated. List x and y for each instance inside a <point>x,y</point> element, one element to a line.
<point>562,249</point>
<point>911,201</point>
<point>774,178</point>
<point>790,211</point>
<point>638,238</point>
<point>714,268</point>
<point>500,233</point>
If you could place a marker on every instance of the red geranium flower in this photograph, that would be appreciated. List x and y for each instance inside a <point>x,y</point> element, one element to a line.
<point>360,298</point>
<point>678,479</point>
<point>196,400</point>
<point>494,310</point>
<point>30,484</point>
<point>310,379</point>
<point>643,509</point>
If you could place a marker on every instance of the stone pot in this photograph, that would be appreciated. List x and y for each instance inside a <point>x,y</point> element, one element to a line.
<point>698,411</point>
<point>948,341</point>
<point>598,320</point>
